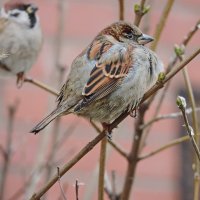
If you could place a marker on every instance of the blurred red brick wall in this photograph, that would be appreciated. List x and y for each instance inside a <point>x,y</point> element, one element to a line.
<point>157,177</point>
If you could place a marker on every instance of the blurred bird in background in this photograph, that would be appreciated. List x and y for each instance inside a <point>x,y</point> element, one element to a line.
<point>20,39</point>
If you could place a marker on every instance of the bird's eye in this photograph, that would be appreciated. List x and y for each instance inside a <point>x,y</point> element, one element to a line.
<point>129,36</point>
<point>15,14</point>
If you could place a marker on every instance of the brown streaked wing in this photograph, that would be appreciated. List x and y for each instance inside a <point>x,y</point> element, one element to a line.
<point>107,75</point>
<point>97,48</point>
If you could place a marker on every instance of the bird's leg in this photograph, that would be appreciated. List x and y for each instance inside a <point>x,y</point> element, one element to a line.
<point>20,79</point>
<point>108,131</point>
<point>133,111</point>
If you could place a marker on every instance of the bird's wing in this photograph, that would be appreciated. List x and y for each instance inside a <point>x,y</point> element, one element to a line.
<point>113,62</point>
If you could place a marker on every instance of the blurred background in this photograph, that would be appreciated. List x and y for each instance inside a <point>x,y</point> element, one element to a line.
<point>68,27</point>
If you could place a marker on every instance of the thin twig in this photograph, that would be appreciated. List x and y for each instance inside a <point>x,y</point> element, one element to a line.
<point>119,149</point>
<point>113,182</point>
<point>161,23</point>
<point>140,11</point>
<point>59,182</point>
<point>42,86</point>
<point>112,143</point>
<point>76,189</point>
<point>187,125</point>
<point>102,162</point>
<point>171,74</point>
<point>110,187</point>
<point>133,156</point>
<point>68,166</point>
<point>121,10</point>
<point>168,116</point>
<point>8,151</point>
<point>65,187</point>
<point>60,69</point>
<point>164,147</point>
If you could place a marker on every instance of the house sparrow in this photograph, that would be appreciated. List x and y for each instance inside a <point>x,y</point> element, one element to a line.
<point>109,77</point>
<point>20,37</point>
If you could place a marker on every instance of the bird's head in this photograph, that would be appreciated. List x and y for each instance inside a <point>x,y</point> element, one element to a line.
<point>22,13</point>
<point>126,32</point>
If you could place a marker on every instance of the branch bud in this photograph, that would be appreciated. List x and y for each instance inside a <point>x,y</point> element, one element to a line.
<point>181,102</point>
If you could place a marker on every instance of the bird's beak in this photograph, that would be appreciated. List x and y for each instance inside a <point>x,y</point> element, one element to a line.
<point>31,9</point>
<point>144,39</point>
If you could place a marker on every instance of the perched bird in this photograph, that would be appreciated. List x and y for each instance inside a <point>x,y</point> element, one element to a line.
<point>20,37</point>
<point>109,77</point>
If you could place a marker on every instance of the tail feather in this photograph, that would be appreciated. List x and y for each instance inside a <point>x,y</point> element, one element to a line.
<point>46,120</point>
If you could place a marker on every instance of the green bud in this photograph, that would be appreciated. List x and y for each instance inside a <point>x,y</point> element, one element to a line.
<point>179,50</point>
<point>161,76</point>
<point>136,7</point>
<point>181,102</point>
<point>146,9</point>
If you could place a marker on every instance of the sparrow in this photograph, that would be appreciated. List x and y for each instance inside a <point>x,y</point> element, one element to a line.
<point>20,38</point>
<point>109,77</point>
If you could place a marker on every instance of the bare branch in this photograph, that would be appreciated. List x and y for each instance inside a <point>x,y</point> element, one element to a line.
<point>182,105</point>
<point>140,11</point>
<point>168,116</point>
<point>121,9</point>
<point>133,156</point>
<point>113,144</point>
<point>8,150</point>
<point>164,147</point>
<point>41,85</point>
<point>102,163</point>
<point>76,188</point>
<point>68,166</point>
<point>161,23</point>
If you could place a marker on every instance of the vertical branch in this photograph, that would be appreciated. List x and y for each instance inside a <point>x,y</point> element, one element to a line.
<point>133,157</point>
<point>140,11</point>
<point>136,144</point>
<point>104,141</point>
<point>121,10</point>
<point>161,23</point>
<point>102,168</point>
<point>58,45</point>
<point>77,190</point>
<point>11,116</point>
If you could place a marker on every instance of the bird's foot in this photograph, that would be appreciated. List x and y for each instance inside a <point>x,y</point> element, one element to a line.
<point>20,79</point>
<point>134,110</point>
<point>108,131</point>
<point>133,113</point>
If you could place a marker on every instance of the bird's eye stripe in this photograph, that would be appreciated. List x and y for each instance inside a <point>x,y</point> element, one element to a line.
<point>15,14</point>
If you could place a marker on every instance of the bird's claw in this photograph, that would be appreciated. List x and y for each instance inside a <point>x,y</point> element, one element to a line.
<point>133,113</point>
<point>20,79</point>
<point>109,136</point>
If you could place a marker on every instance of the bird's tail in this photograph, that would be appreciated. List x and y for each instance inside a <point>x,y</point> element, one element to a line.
<point>58,111</point>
